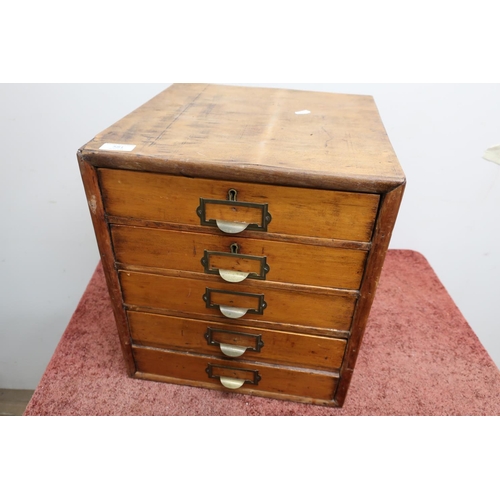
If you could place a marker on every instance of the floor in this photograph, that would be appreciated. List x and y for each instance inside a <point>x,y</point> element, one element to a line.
<point>13,402</point>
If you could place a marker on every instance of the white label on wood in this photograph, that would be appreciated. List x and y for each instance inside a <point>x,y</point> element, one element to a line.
<point>117,147</point>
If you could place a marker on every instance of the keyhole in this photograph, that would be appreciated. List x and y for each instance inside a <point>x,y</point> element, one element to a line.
<point>234,248</point>
<point>232,194</point>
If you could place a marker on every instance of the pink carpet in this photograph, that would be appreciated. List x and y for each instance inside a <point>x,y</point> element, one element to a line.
<point>419,357</point>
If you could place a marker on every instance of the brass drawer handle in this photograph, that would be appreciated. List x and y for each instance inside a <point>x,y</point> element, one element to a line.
<point>233,312</point>
<point>231,227</point>
<point>233,217</point>
<point>233,351</point>
<point>231,383</point>
<point>234,305</point>
<point>233,378</point>
<point>233,276</point>
<point>235,267</point>
<point>234,344</point>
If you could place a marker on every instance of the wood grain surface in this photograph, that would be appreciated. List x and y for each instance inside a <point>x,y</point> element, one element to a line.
<point>274,379</point>
<point>199,129</point>
<point>285,306</point>
<point>182,334</point>
<point>288,262</point>
<point>294,211</point>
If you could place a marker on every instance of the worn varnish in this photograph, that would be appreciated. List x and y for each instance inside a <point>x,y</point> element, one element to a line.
<point>242,242</point>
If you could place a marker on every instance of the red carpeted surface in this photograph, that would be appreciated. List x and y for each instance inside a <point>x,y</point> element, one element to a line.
<point>419,357</point>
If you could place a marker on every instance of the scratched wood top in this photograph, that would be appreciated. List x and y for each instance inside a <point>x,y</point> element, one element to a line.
<point>256,135</point>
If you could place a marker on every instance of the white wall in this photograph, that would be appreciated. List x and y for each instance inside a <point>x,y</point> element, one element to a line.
<point>450,213</point>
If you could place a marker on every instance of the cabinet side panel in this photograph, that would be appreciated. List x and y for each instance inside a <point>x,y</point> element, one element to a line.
<point>383,231</point>
<point>94,199</point>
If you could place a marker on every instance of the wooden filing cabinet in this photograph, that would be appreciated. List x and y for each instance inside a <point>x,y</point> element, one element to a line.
<point>242,233</point>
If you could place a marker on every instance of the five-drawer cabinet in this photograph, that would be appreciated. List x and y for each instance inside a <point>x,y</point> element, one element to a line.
<point>242,233</point>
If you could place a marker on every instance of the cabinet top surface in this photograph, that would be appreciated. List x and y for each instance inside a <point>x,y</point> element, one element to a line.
<point>298,137</point>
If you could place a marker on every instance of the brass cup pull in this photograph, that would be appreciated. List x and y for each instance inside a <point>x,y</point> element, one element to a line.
<point>235,267</point>
<point>232,377</point>
<point>233,276</point>
<point>233,312</point>
<point>231,227</point>
<point>233,351</point>
<point>231,383</point>
<point>234,344</point>
<point>241,303</point>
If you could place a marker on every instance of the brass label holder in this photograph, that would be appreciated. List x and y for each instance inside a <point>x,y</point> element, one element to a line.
<point>206,262</point>
<point>240,374</point>
<point>257,299</point>
<point>259,214</point>
<point>251,342</point>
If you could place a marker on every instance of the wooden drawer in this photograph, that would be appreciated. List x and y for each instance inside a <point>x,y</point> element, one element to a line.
<point>319,308</point>
<point>293,211</point>
<point>256,378</point>
<point>217,339</point>
<point>206,253</point>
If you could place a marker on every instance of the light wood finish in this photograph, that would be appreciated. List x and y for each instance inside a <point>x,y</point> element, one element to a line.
<point>321,192</point>
<point>274,379</point>
<point>200,130</point>
<point>294,211</point>
<point>288,262</point>
<point>284,306</point>
<point>281,347</point>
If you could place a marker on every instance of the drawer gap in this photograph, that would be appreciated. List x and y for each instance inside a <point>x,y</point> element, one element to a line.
<point>303,240</point>
<point>256,364</point>
<point>344,292</point>
<point>321,332</point>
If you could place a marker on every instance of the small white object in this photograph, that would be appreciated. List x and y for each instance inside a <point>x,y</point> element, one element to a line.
<point>303,112</point>
<point>117,147</point>
<point>493,154</point>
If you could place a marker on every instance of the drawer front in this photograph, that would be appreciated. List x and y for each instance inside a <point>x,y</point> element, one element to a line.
<point>274,209</point>
<point>261,377</point>
<point>254,344</point>
<point>295,307</point>
<point>211,254</point>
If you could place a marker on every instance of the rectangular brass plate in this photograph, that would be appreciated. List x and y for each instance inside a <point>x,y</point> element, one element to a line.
<point>255,214</point>
<point>251,342</point>
<point>256,266</point>
<point>252,301</point>
<point>250,376</point>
